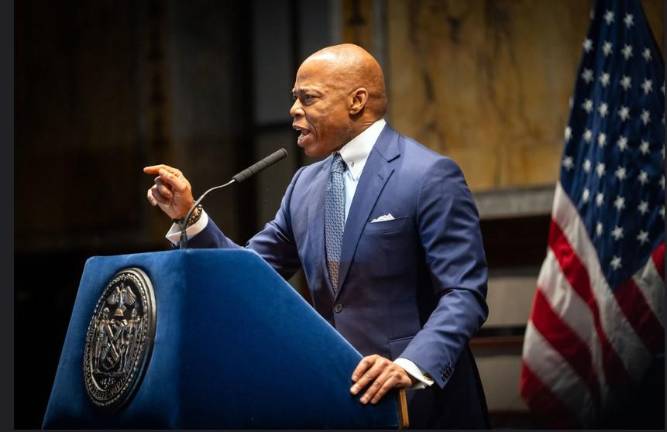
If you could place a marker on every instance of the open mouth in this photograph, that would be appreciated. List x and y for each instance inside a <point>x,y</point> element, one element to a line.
<point>303,133</point>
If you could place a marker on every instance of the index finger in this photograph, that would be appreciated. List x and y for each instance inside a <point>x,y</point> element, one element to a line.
<point>155,169</point>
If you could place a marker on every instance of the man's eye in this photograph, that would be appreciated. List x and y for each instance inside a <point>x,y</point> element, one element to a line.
<point>307,98</point>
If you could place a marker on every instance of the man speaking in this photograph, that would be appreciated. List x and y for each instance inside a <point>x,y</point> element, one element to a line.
<point>388,237</point>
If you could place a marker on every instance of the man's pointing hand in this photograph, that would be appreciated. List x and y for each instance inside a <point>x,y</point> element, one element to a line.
<point>171,192</point>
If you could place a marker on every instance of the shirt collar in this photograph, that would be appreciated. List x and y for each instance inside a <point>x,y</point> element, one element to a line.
<point>356,151</point>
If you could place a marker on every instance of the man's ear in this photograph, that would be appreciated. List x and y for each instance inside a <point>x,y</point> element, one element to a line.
<point>357,100</point>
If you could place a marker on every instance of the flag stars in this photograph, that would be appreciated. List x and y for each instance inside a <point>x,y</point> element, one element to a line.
<point>599,230</point>
<point>629,20</point>
<point>643,207</point>
<point>624,113</point>
<point>599,199</point>
<point>626,82</point>
<point>600,169</point>
<point>587,166</point>
<point>603,109</point>
<point>662,182</point>
<point>602,140</point>
<point>588,135</point>
<point>662,212</point>
<point>642,237</point>
<point>620,173</point>
<point>616,263</point>
<point>607,48</point>
<point>617,233</point>
<point>568,134</point>
<point>609,17</point>
<point>622,143</point>
<point>585,195</point>
<point>644,147</point>
<point>567,163</point>
<point>662,88</point>
<point>604,79</point>
<point>588,45</point>
<point>587,75</point>
<point>647,86</point>
<point>646,117</point>
<point>627,51</point>
<point>619,203</point>
<point>643,177</point>
<point>587,105</point>
<point>646,54</point>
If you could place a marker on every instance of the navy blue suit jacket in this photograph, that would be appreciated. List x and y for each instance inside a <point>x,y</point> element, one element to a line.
<point>411,287</point>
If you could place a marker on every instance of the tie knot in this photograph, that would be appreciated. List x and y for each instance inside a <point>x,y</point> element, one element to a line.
<point>338,164</point>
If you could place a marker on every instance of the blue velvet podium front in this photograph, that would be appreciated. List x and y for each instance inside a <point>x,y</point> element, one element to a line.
<point>235,347</point>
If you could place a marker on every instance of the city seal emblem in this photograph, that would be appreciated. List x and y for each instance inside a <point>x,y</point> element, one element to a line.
<point>119,339</point>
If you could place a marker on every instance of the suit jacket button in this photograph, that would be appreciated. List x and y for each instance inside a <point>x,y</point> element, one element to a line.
<point>338,308</point>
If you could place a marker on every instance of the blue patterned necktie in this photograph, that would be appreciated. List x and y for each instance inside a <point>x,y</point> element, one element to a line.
<point>335,218</point>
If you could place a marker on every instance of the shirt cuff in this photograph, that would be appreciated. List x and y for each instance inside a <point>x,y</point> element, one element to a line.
<point>413,370</point>
<point>174,234</point>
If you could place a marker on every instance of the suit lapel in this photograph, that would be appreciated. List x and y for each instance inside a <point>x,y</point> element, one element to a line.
<point>375,175</point>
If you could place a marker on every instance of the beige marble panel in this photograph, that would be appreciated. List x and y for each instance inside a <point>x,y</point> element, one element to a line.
<point>488,82</point>
<point>500,378</point>
<point>510,298</point>
<point>357,23</point>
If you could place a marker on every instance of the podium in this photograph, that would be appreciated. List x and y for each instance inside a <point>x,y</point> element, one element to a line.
<point>232,346</point>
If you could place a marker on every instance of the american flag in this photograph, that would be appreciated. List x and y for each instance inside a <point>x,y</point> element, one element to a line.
<point>597,318</point>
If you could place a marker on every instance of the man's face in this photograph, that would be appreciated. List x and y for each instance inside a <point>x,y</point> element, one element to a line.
<point>320,109</point>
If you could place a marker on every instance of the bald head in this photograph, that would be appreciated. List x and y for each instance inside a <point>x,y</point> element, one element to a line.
<point>338,93</point>
<point>349,66</point>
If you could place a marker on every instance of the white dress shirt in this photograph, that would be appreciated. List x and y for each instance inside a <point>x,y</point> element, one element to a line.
<point>354,154</point>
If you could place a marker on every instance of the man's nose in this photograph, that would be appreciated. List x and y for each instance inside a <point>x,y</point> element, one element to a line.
<point>296,109</point>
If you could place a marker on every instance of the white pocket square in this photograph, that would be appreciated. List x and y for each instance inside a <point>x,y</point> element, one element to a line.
<point>383,218</point>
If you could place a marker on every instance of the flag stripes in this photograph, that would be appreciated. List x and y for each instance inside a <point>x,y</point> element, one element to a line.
<point>561,353</point>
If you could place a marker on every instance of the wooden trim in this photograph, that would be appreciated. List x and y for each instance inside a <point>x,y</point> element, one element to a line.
<point>403,418</point>
<point>496,342</point>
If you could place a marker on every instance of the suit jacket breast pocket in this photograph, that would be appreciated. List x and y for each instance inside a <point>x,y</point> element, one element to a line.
<point>382,248</point>
<point>394,226</point>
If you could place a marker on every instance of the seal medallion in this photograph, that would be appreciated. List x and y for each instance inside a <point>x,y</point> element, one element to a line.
<point>119,339</point>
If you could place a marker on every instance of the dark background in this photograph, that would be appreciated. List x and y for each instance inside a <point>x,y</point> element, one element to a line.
<point>104,88</point>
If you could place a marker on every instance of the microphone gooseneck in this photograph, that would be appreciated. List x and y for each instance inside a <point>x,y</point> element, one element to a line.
<point>183,241</point>
<point>238,178</point>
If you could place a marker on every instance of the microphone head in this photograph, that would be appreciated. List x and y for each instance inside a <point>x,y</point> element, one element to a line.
<point>257,167</point>
<point>274,157</point>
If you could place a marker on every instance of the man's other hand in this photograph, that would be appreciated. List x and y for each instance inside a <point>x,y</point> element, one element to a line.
<point>171,192</point>
<point>382,374</point>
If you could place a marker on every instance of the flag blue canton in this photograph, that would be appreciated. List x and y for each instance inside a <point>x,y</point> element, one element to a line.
<point>612,167</point>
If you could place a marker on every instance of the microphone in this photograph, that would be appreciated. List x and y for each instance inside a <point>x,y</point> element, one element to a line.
<point>271,159</point>
<point>258,166</point>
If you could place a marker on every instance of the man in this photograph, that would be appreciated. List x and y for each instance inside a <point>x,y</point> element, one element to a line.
<point>387,234</point>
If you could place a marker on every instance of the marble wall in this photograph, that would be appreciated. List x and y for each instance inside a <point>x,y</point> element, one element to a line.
<point>485,82</point>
